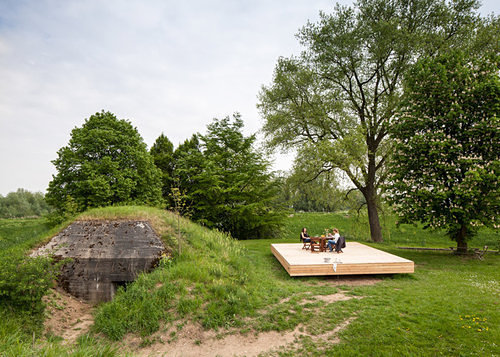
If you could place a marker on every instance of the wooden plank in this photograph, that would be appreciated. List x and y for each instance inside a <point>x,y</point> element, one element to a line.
<point>281,259</point>
<point>356,259</point>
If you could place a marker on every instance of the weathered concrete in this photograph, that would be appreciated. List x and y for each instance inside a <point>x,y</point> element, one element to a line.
<point>105,255</point>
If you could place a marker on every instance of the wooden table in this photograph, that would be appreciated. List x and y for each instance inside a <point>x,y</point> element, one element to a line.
<point>321,241</point>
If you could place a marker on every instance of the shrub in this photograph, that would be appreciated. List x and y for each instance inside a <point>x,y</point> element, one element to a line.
<point>25,280</point>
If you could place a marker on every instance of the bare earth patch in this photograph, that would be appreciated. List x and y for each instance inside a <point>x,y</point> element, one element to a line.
<point>351,280</point>
<point>67,316</point>
<point>334,297</point>
<point>193,340</point>
<point>325,298</point>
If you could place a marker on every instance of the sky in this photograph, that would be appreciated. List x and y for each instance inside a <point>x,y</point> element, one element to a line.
<point>167,66</point>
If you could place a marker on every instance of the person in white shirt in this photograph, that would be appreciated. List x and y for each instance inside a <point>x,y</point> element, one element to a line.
<point>333,241</point>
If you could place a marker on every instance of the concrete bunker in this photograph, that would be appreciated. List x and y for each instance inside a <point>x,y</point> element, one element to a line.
<point>104,256</point>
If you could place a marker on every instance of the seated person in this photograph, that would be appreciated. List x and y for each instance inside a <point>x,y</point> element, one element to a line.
<point>304,237</point>
<point>333,241</point>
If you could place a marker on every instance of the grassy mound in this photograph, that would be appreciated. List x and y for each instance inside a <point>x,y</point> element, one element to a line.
<point>211,280</point>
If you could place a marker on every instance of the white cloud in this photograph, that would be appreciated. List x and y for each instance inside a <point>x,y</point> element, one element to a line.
<point>168,66</point>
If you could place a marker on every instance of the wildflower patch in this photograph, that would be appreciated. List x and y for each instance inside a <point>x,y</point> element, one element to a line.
<point>475,323</point>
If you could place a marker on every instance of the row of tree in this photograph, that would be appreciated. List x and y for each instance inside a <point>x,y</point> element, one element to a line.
<point>218,179</point>
<point>23,203</point>
<point>323,194</point>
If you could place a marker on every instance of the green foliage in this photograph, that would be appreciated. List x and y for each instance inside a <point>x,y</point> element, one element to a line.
<point>189,162</point>
<point>319,195</point>
<point>162,152</point>
<point>21,233</point>
<point>24,280</point>
<point>446,168</point>
<point>225,182</point>
<point>23,203</point>
<point>334,103</point>
<point>105,163</point>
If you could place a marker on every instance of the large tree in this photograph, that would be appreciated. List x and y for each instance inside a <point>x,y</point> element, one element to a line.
<point>225,182</point>
<point>162,152</point>
<point>335,102</point>
<point>187,187</point>
<point>106,162</point>
<point>446,166</point>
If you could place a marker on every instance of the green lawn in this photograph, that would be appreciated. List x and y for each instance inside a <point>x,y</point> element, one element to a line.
<point>21,232</point>
<point>449,306</point>
<point>356,228</point>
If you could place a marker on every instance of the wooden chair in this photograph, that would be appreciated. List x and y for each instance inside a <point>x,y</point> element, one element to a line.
<point>306,245</point>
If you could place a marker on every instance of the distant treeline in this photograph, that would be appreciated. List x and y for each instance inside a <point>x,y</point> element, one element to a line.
<point>23,203</point>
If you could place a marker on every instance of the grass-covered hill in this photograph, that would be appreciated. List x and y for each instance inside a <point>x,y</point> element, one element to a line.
<point>237,289</point>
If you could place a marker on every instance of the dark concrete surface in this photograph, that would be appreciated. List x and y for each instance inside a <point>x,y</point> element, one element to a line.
<point>104,255</point>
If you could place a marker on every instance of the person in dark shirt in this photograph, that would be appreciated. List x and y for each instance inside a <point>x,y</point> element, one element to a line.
<point>304,236</point>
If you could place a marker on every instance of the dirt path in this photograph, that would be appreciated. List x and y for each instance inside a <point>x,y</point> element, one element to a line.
<point>67,316</point>
<point>193,341</point>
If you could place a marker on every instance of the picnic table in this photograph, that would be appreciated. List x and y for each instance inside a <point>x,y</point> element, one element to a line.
<point>318,244</point>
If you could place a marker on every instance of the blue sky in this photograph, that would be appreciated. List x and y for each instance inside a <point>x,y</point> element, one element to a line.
<point>168,66</point>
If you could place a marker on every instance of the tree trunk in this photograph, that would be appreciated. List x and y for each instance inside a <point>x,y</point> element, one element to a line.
<point>461,242</point>
<point>373,219</point>
<point>371,193</point>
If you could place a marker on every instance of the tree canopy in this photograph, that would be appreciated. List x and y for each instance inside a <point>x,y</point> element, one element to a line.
<point>162,152</point>
<point>225,182</point>
<point>106,162</point>
<point>335,102</point>
<point>446,165</point>
<point>23,203</point>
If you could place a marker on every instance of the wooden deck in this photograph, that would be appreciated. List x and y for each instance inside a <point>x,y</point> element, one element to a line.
<point>356,259</point>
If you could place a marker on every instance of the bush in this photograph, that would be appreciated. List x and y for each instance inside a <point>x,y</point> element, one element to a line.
<point>25,280</point>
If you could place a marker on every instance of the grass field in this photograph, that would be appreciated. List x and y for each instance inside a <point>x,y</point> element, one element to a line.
<point>356,228</point>
<point>21,233</point>
<point>449,306</point>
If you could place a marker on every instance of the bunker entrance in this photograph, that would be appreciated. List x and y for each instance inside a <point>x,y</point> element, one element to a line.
<point>105,255</point>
